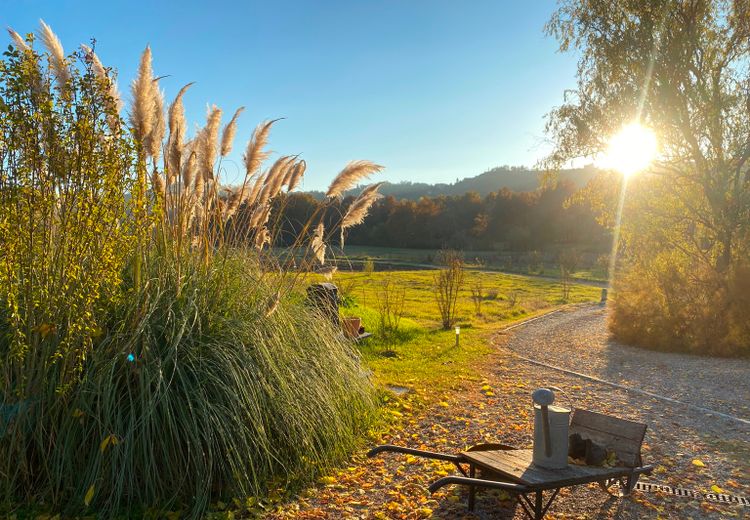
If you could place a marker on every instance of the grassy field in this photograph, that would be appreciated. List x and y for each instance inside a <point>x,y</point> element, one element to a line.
<point>488,260</point>
<point>420,354</point>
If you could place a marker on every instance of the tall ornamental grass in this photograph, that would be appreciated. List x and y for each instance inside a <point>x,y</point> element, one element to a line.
<point>153,356</point>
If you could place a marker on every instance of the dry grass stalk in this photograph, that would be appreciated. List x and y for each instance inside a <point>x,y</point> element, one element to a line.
<point>295,175</point>
<point>233,198</point>
<point>57,55</point>
<point>188,171</point>
<point>101,73</point>
<point>273,304</point>
<point>358,209</point>
<point>318,245</point>
<point>19,42</point>
<point>350,175</point>
<point>157,184</point>
<point>277,175</point>
<point>207,142</point>
<point>255,152</point>
<point>177,131</point>
<point>159,125</point>
<point>262,237</point>
<point>227,136</point>
<point>260,216</point>
<point>142,108</point>
<point>252,196</point>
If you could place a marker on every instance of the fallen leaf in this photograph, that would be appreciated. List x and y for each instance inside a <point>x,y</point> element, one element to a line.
<point>89,495</point>
<point>699,463</point>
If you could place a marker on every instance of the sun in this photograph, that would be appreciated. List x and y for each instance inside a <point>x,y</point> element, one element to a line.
<point>630,150</point>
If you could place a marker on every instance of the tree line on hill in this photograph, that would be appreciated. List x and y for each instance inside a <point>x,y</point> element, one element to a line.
<point>515,178</point>
<point>503,220</point>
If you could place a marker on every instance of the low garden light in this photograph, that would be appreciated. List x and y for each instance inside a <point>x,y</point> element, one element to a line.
<point>458,334</point>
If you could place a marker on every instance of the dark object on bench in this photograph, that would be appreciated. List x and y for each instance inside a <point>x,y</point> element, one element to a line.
<point>579,448</point>
<point>325,296</point>
<point>504,467</point>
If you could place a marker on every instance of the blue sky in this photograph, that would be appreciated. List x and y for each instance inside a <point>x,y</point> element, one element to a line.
<point>434,90</point>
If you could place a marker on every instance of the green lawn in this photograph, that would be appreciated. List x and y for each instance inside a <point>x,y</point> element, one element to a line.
<point>421,355</point>
<point>488,260</point>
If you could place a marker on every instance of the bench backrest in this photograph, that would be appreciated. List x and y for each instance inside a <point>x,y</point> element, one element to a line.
<point>619,435</point>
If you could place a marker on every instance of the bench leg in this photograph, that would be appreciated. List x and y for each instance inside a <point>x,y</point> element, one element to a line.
<point>537,508</point>
<point>627,484</point>
<point>472,489</point>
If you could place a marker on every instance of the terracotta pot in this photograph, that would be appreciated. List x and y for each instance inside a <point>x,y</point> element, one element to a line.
<point>351,326</point>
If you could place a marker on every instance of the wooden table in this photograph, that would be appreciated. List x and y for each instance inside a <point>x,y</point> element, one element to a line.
<point>516,466</point>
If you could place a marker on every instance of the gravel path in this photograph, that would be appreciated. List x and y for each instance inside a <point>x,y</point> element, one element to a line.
<point>577,339</point>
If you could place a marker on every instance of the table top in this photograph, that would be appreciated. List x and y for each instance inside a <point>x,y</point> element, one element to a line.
<point>517,466</point>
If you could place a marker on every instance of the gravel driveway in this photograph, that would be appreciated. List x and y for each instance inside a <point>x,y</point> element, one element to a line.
<point>577,339</point>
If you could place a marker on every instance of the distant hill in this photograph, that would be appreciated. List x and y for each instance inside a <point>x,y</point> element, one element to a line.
<point>512,177</point>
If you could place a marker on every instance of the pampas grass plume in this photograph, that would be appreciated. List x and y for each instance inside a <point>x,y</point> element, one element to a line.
<point>142,109</point>
<point>350,175</point>
<point>255,152</point>
<point>19,42</point>
<point>101,73</point>
<point>57,54</point>
<point>227,136</point>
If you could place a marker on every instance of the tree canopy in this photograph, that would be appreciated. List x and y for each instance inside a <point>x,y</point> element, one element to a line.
<point>681,68</point>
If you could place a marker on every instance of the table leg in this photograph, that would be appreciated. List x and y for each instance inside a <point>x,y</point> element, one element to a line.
<point>472,489</point>
<point>539,505</point>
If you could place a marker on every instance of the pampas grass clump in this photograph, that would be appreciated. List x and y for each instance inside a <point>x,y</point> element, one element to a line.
<point>155,356</point>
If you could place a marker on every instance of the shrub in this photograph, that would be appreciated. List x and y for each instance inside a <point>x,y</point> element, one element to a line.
<point>477,295</point>
<point>667,308</point>
<point>448,281</point>
<point>389,301</point>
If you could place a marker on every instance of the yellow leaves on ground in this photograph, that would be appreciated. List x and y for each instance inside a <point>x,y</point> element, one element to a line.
<point>443,404</point>
<point>328,481</point>
<point>109,440</point>
<point>89,495</point>
<point>699,463</point>
<point>716,489</point>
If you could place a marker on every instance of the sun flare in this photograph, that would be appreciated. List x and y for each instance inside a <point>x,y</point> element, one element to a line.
<point>630,150</point>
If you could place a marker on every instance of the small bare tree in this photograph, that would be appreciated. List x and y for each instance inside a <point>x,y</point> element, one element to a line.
<point>448,281</point>
<point>389,300</point>
<point>569,260</point>
<point>477,295</point>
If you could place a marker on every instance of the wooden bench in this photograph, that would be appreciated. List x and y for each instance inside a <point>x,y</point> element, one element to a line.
<point>510,469</point>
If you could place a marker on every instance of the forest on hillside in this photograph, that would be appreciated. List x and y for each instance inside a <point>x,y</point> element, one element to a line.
<point>515,178</point>
<point>503,220</point>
